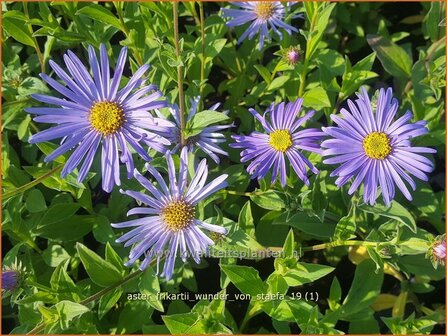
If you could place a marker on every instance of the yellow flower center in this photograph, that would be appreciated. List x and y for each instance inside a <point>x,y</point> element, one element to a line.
<point>377,145</point>
<point>264,10</point>
<point>280,140</point>
<point>106,117</point>
<point>178,215</point>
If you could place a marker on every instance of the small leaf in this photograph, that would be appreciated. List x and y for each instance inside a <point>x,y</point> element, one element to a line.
<point>394,59</point>
<point>316,98</point>
<point>202,119</point>
<point>149,286</point>
<point>245,278</point>
<point>245,220</point>
<point>268,200</point>
<point>18,31</point>
<point>100,13</point>
<point>364,289</point>
<point>68,310</point>
<point>346,226</point>
<point>107,301</point>
<point>35,202</point>
<point>395,211</point>
<point>100,271</point>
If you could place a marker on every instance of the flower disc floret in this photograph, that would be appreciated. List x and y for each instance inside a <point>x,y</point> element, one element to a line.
<point>280,140</point>
<point>178,215</point>
<point>106,117</point>
<point>377,145</point>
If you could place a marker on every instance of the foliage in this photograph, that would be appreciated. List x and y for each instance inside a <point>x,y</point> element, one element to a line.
<point>338,266</point>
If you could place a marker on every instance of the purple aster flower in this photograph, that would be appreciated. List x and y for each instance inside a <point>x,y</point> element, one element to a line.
<point>261,14</point>
<point>375,150</point>
<point>207,140</point>
<point>171,225</point>
<point>10,279</point>
<point>94,111</point>
<point>436,251</point>
<point>282,140</point>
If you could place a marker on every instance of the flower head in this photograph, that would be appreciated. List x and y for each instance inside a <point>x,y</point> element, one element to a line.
<point>436,251</point>
<point>282,139</point>
<point>12,276</point>
<point>261,14</point>
<point>10,279</point>
<point>95,112</point>
<point>171,225</point>
<point>375,150</point>
<point>292,55</point>
<point>207,140</point>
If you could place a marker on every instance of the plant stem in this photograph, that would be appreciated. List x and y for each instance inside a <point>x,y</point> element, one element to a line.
<point>40,327</point>
<point>202,34</point>
<point>179,75</point>
<point>126,32</point>
<point>36,45</point>
<point>338,243</point>
<point>31,184</point>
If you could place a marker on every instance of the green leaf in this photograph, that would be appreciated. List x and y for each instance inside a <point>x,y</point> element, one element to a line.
<point>59,212</point>
<point>278,83</point>
<point>113,258</point>
<point>322,20</point>
<point>35,202</point>
<point>264,72</point>
<point>316,98</point>
<point>203,119</point>
<point>69,229</point>
<point>268,199</point>
<point>245,220</point>
<point>68,310</point>
<point>432,21</point>
<point>18,31</point>
<point>304,273</point>
<point>100,13</point>
<point>190,323</point>
<point>394,59</point>
<point>346,226</point>
<point>149,286</point>
<point>100,271</point>
<point>334,294</point>
<point>304,221</point>
<point>395,211</point>
<point>245,278</point>
<point>54,255</point>
<point>289,244</point>
<point>108,300</point>
<point>364,289</point>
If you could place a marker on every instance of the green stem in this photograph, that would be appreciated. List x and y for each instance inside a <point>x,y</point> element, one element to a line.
<point>179,75</point>
<point>31,184</point>
<point>126,32</point>
<point>306,56</point>
<point>338,243</point>
<point>252,311</point>
<point>202,34</point>
<point>36,45</point>
<point>241,193</point>
<point>40,327</point>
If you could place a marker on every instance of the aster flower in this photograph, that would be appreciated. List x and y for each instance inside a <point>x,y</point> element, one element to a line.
<point>292,55</point>
<point>207,140</point>
<point>171,226</point>
<point>95,112</point>
<point>436,252</point>
<point>375,150</point>
<point>10,280</point>
<point>261,14</point>
<point>12,277</point>
<point>282,140</point>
